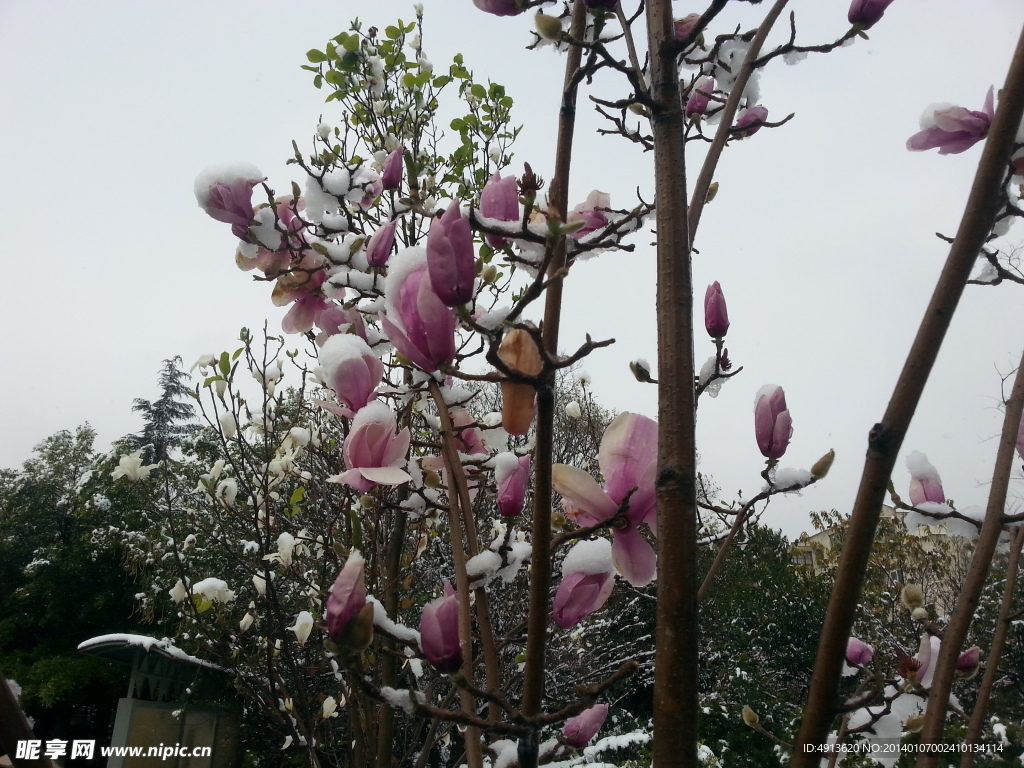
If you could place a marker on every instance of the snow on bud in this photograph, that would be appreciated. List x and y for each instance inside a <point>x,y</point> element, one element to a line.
<point>415,319</point>
<point>952,130</point>
<point>512,476</point>
<point>716,315</point>
<point>572,410</point>
<point>579,730</point>
<point>378,249</point>
<point>519,352</point>
<point>866,13</point>
<point>750,121</point>
<point>178,592</point>
<point>366,188</point>
<point>588,576</point>
<point>773,425</point>
<point>225,193</point>
<point>439,632</point>
<point>451,260</point>
<point>920,614</point>
<point>859,652</point>
<point>391,170</point>
<point>351,369</point>
<point>912,596</point>
<point>227,491</point>
<point>925,483</point>
<point>914,723</point>
<point>324,131</point>
<point>303,626</point>
<point>641,370</point>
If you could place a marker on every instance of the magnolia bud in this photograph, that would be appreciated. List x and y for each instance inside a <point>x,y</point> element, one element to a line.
<point>912,596</point>
<point>431,479</point>
<point>712,191</point>
<point>519,352</point>
<point>823,465</point>
<point>750,717</point>
<point>368,501</point>
<point>490,273</point>
<point>548,27</point>
<point>914,723</point>
<point>920,614</point>
<point>358,633</point>
<point>641,370</point>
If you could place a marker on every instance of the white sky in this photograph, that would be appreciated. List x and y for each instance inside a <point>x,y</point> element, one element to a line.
<point>822,234</point>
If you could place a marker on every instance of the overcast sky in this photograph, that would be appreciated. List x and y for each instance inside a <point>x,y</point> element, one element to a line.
<point>822,234</point>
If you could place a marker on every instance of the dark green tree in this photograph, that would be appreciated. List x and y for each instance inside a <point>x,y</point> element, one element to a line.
<point>167,421</point>
<point>59,586</point>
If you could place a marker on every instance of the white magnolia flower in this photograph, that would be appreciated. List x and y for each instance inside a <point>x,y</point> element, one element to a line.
<point>130,466</point>
<point>260,583</point>
<point>330,708</point>
<point>178,592</point>
<point>303,626</point>
<point>246,622</point>
<point>573,410</point>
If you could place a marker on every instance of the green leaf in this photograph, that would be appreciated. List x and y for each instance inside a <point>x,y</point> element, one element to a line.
<point>393,33</point>
<point>351,44</point>
<point>458,124</point>
<point>441,81</point>
<point>211,380</point>
<point>297,495</point>
<point>409,80</point>
<point>315,57</point>
<point>478,90</point>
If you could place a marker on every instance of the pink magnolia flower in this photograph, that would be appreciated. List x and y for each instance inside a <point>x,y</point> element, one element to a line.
<point>366,188</point>
<point>225,193</point>
<point>450,257</point>
<point>378,249</point>
<point>588,576</point>
<point>587,212</point>
<point>927,656</point>
<point>716,315</point>
<point>579,730</point>
<point>467,437</point>
<point>373,453</point>
<point>952,129</point>
<point>499,7</point>
<point>351,369</point>
<point>439,632</point>
<point>925,483</point>
<point>628,459</point>
<point>967,663</point>
<point>336,319</point>
<point>867,12</point>
<point>304,313</point>
<point>750,121</point>
<point>500,200</point>
<point>681,28</point>
<point>348,595</point>
<point>512,476</point>
<point>391,169</point>
<point>773,425</point>
<point>859,652</point>
<point>697,103</point>
<point>416,321</point>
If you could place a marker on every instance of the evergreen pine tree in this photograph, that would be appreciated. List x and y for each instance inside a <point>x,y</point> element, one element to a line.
<point>167,421</point>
